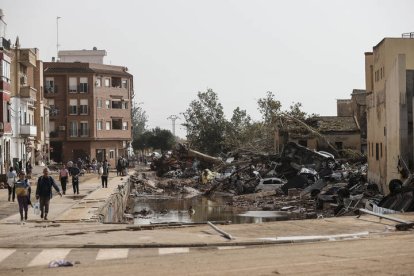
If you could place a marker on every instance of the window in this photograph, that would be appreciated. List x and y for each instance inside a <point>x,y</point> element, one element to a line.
<point>54,111</point>
<point>99,125</point>
<point>83,86</point>
<point>111,154</point>
<point>381,150</point>
<point>117,124</point>
<point>99,103</point>
<point>124,83</point>
<point>73,129</point>
<point>98,82</point>
<point>72,84</point>
<point>107,82</point>
<point>377,151</point>
<point>73,107</point>
<point>84,130</point>
<point>108,104</point>
<point>116,104</point>
<point>303,143</point>
<point>108,125</point>
<point>124,125</point>
<point>83,107</point>
<point>50,85</point>
<point>51,103</point>
<point>116,82</point>
<point>339,145</point>
<point>5,71</point>
<point>52,126</point>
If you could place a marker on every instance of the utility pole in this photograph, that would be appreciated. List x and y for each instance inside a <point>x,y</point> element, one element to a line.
<point>57,37</point>
<point>173,118</point>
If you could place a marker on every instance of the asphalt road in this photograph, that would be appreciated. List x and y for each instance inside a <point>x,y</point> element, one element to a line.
<point>382,255</point>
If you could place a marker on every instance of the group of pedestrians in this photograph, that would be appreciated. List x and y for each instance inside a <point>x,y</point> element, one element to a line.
<point>19,186</point>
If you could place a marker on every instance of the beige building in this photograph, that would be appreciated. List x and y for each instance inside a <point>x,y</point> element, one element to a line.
<point>389,78</point>
<point>90,110</point>
<point>29,141</point>
<point>356,107</point>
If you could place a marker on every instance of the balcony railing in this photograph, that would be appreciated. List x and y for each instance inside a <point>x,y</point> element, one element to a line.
<point>27,57</point>
<point>81,88</point>
<point>54,134</point>
<point>28,92</point>
<point>51,89</point>
<point>28,130</point>
<point>81,132</point>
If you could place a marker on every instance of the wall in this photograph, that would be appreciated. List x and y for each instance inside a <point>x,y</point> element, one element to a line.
<point>114,208</point>
<point>344,108</point>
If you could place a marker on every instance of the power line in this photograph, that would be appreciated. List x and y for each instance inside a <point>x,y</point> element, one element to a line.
<point>173,118</point>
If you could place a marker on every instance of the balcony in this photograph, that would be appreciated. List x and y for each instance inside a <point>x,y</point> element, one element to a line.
<point>27,57</point>
<point>4,43</point>
<point>28,130</point>
<point>51,89</point>
<point>28,92</point>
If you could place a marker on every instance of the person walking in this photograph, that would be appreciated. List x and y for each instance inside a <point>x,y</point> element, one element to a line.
<point>11,180</point>
<point>23,191</point>
<point>105,173</point>
<point>75,172</point>
<point>44,192</point>
<point>63,178</point>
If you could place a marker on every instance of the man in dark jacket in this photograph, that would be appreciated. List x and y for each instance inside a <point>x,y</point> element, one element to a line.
<point>44,192</point>
<point>74,171</point>
<point>105,173</point>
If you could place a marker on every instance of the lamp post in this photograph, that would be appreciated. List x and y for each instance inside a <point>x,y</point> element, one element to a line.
<point>57,37</point>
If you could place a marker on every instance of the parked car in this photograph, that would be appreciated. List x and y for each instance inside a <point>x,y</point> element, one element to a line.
<point>269,184</point>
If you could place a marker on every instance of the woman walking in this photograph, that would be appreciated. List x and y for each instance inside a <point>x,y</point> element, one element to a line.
<point>23,191</point>
<point>11,180</point>
<point>63,178</point>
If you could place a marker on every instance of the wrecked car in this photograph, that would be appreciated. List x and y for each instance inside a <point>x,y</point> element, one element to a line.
<point>269,184</point>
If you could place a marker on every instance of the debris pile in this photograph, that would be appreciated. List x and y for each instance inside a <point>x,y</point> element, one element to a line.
<point>298,180</point>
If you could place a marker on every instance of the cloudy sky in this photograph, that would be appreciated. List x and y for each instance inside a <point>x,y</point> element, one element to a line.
<point>308,51</point>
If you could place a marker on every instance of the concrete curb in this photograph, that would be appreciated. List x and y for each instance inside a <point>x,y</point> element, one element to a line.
<point>346,237</point>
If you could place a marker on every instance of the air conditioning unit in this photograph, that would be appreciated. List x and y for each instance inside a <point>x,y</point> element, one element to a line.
<point>62,128</point>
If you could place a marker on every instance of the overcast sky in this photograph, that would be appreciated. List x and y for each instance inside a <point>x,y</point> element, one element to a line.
<point>303,51</point>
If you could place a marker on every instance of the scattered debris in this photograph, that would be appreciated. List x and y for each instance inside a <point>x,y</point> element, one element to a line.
<point>59,263</point>
<point>225,234</point>
<point>303,182</point>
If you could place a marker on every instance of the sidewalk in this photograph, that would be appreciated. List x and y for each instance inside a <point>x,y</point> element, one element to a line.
<point>69,207</point>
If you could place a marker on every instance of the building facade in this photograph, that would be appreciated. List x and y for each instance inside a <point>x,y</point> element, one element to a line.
<point>356,107</point>
<point>389,79</point>
<point>90,110</point>
<point>341,132</point>
<point>5,120</point>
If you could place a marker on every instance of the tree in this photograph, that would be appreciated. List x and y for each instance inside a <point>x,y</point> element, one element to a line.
<point>205,123</point>
<point>161,139</point>
<point>269,107</point>
<point>142,141</point>
<point>156,138</point>
<point>139,121</point>
<point>237,129</point>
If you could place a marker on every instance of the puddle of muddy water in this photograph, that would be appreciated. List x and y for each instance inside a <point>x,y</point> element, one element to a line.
<point>165,210</point>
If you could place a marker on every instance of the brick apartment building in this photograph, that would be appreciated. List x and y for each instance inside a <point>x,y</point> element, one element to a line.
<point>90,109</point>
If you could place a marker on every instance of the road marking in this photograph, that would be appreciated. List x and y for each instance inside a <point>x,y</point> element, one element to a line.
<point>173,250</point>
<point>48,255</point>
<point>230,247</point>
<point>108,254</point>
<point>4,253</point>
